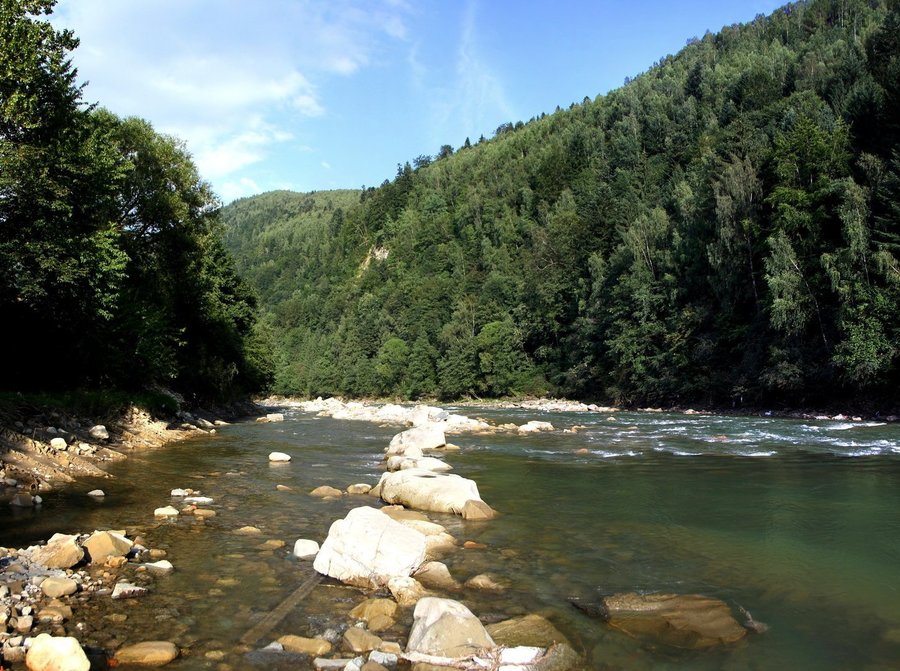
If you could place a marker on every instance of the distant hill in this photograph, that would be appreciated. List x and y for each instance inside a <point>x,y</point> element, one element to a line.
<point>723,229</point>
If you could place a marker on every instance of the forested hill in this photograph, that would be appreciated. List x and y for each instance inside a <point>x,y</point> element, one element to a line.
<point>725,228</point>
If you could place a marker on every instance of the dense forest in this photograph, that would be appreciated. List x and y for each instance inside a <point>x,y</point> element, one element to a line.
<point>113,273</point>
<point>721,229</point>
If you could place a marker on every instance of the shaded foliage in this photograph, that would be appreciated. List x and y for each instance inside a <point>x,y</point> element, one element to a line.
<point>112,268</point>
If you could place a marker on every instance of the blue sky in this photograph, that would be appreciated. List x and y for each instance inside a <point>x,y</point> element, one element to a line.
<point>310,95</point>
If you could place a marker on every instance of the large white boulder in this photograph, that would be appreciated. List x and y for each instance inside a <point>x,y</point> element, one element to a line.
<point>535,426</point>
<point>56,653</point>
<point>367,548</point>
<point>425,437</point>
<point>398,463</point>
<point>427,490</point>
<point>446,628</point>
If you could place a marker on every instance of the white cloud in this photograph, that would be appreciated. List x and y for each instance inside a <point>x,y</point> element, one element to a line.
<point>238,189</point>
<point>233,80</point>
<point>326,165</point>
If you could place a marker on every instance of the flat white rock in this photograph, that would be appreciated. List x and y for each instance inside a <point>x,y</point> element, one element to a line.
<point>279,457</point>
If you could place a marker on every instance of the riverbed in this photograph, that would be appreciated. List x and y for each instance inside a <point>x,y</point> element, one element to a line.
<point>794,520</point>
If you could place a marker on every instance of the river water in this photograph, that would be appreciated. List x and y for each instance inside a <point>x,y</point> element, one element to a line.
<point>797,521</point>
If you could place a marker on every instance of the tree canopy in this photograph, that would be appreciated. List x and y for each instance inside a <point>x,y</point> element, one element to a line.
<point>112,267</point>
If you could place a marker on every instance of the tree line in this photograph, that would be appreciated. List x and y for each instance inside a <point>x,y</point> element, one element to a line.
<point>113,272</point>
<point>721,229</point>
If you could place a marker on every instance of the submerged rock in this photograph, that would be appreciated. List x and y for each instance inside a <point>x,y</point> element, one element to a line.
<point>326,491</point>
<point>374,608</point>
<point>22,500</point>
<point>690,621</point>
<point>528,630</point>
<point>148,653</point>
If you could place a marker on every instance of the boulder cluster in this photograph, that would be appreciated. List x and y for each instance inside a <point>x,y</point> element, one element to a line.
<point>395,550</point>
<point>42,587</point>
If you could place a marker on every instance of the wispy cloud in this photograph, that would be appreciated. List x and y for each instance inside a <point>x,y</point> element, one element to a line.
<point>472,98</point>
<point>233,81</point>
<point>481,92</point>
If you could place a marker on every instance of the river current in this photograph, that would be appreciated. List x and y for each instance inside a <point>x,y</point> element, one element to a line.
<point>797,521</point>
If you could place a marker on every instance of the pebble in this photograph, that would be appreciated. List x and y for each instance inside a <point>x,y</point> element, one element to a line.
<point>247,531</point>
<point>327,664</point>
<point>279,457</point>
<point>127,590</point>
<point>98,493</point>
<point>167,511</point>
<point>305,549</point>
<point>161,567</point>
<point>56,586</point>
<point>383,658</point>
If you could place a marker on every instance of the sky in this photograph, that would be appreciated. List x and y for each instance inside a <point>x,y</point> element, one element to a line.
<point>309,95</point>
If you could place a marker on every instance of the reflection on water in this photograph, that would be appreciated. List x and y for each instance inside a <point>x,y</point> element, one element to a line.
<point>795,521</point>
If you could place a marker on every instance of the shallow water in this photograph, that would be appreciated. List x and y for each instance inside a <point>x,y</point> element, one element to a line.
<point>796,521</point>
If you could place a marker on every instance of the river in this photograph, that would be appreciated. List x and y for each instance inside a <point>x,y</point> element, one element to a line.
<point>795,520</point>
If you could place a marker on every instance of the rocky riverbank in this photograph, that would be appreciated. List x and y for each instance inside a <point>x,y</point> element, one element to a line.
<point>43,449</point>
